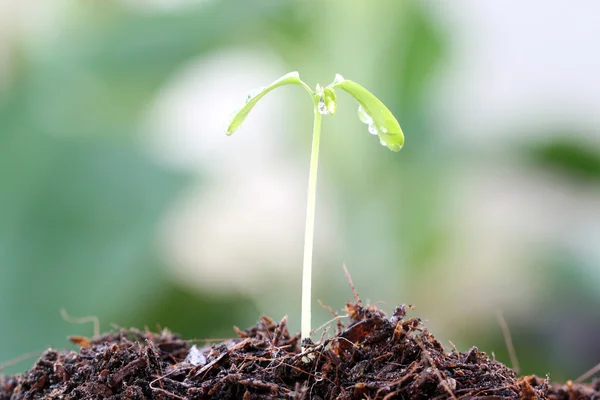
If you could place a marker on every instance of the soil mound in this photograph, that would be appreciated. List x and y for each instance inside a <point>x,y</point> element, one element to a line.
<point>373,357</point>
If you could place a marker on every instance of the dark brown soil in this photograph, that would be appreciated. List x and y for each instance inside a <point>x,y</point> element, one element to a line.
<point>374,357</point>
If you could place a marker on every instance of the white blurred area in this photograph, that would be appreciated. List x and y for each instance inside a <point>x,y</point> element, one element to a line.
<point>516,64</point>
<point>517,72</point>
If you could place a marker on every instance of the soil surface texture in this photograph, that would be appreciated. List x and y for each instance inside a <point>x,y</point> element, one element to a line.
<point>373,357</point>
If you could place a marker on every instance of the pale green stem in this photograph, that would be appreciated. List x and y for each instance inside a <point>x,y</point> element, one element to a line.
<point>310,227</point>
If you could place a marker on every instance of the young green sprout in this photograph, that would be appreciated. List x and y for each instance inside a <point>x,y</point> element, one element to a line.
<point>371,111</point>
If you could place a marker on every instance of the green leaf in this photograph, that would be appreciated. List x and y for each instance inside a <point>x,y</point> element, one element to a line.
<point>373,113</point>
<point>330,100</point>
<point>239,116</point>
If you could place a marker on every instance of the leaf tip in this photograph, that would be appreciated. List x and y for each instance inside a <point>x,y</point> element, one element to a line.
<point>230,125</point>
<point>395,147</point>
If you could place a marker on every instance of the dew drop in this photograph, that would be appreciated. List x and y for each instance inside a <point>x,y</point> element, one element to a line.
<point>372,129</point>
<point>382,142</point>
<point>254,93</point>
<point>395,147</point>
<point>322,107</point>
<point>382,129</point>
<point>363,116</point>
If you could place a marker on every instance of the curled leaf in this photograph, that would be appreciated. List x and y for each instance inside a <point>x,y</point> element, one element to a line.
<point>238,117</point>
<point>374,113</point>
<point>330,100</point>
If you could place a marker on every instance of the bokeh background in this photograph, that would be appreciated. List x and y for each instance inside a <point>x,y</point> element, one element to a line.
<point>121,196</point>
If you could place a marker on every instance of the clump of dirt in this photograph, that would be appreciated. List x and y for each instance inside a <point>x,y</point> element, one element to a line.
<point>374,357</point>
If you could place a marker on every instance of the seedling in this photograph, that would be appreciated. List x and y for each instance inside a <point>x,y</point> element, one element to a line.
<point>371,111</point>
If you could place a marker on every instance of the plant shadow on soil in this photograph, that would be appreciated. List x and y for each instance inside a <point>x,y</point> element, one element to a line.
<point>372,357</point>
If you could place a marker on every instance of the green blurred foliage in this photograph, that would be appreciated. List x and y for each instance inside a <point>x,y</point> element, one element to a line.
<point>79,199</point>
<point>572,158</point>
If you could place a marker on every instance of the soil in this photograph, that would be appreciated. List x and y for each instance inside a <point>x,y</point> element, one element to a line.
<point>373,357</point>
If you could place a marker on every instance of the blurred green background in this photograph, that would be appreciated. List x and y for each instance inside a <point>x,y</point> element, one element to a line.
<point>121,197</point>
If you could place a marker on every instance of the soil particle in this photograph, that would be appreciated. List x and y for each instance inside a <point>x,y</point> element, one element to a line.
<point>373,357</point>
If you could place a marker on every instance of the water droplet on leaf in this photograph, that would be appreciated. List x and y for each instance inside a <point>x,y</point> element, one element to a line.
<point>254,93</point>
<point>372,129</point>
<point>382,142</point>
<point>322,107</point>
<point>363,116</point>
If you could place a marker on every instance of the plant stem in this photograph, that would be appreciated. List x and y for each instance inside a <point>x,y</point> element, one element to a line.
<point>310,227</point>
